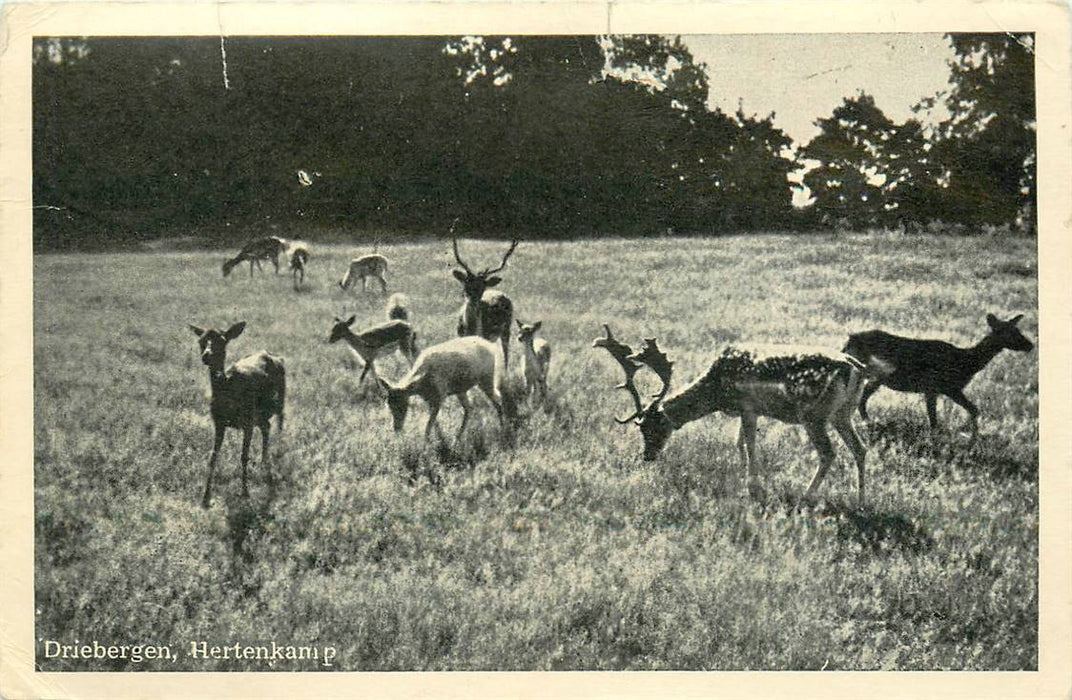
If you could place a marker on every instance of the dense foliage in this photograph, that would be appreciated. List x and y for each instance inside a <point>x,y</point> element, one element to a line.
<point>546,137</point>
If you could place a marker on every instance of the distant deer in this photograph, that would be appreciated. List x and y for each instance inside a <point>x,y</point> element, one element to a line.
<point>812,387</point>
<point>397,308</point>
<point>371,265</point>
<point>267,248</point>
<point>535,358</point>
<point>486,312</point>
<point>245,395</point>
<point>299,258</point>
<point>933,367</point>
<point>448,369</point>
<point>376,342</point>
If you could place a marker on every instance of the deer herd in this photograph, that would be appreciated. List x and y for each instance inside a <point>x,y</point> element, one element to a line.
<point>813,387</point>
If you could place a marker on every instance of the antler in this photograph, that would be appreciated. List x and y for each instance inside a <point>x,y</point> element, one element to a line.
<point>456,256</point>
<point>505,258</point>
<point>659,363</point>
<point>622,354</point>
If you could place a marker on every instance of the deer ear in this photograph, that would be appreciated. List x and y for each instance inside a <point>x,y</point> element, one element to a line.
<point>1016,319</point>
<point>384,384</point>
<point>350,321</point>
<point>536,326</point>
<point>519,323</point>
<point>197,331</point>
<point>492,281</point>
<point>992,321</point>
<point>235,330</point>
<point>459,275</point>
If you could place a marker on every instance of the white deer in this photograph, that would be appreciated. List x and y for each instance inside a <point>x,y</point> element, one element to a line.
<point>450,368</point>
<point>245,395</point>
<point>535,358</point>
<point>371,265</point>
<point>807,386</point>
<point>376,342</point>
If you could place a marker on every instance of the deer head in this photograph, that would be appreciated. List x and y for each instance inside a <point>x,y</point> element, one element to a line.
<point>213,343</point>
<point>475,283</point>
<point>654,426</point>
<point>340,328</point>
<point>1007,334</point>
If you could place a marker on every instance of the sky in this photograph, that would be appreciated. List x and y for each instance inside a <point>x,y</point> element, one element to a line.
<point>801,77</point>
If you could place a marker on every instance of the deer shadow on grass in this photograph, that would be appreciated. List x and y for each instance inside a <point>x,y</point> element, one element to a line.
<point>248,519</point>
<point>879,531</point>
<point>994,455</point>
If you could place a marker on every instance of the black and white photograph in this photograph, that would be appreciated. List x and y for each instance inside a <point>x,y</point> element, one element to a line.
<point>488,349</point>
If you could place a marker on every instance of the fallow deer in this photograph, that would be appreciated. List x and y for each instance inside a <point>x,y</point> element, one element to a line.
<point>812,387</point>
<point>450,368</point>
<point>267,248</point>
<point>299,258</point>
<point>376,342</point>
<point>486,312</point>
<point>933,367</point>
<point>397,308</point>
<point>535,358</point>
<point>245,395</point>
<point>371,265</point>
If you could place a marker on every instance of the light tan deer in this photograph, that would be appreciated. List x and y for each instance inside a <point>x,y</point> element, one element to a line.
<point>535,358</point>
<point>371,265</point>
<point>486,312</point>
<point>376,342</point>
<point>245,395</point>
<point>267,248</point>
<point>933,367</point>
<point>812,387</point>
<point>450,368</point>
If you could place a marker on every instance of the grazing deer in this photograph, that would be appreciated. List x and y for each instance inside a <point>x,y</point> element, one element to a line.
<point>298,254</point>
<point>267,248</point>
<point>933,367</point>
<point>486,312</point>
<point>379,341</point>
<point>450,368</point>
<point>371,265</point>
<point>245,395</point>
<point>397,308</point>
<point>535,358</point>
<point>796,385</point>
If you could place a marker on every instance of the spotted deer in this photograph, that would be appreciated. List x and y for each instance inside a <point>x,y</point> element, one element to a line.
<point>371,265</point>
<point>535,358</point>
<point>486,312</point>
<point>376,342</point>
<point>267,248</point>
<point>807,386</point>
<point>933,367</point>
<point>450,368</point>
<point>245,395</point>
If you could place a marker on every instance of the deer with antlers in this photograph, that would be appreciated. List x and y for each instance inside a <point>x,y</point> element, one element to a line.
<point>487,312</point>
<point>812,387</point>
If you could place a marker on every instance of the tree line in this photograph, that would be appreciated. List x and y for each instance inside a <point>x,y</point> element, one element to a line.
<point>543,137</point>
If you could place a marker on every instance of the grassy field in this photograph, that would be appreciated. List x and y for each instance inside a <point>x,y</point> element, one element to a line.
<point>553,547</point>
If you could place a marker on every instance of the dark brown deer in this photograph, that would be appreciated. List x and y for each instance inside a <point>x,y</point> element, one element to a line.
<point>267,248</point>
<point>245,395</point>
<point>487,312</point>
<point>299,258</point>
<point>933,367</point>
<point>812,387</point>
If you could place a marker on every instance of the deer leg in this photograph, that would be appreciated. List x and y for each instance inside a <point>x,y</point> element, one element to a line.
<point>383,283</point>
<point>247,436</point>
<point>217,441</point>
<point>369,367</point>
<point>870,389</point>
<point>506,349</point>
<point>266,431</point>
<point>932,409</point>
<point>464,401</point>
<point>818,436</point>
<point>495,397</point>
<point>961,400</point>
<point>848,434</point>
<point>433,412</point>
<point>251,269</point>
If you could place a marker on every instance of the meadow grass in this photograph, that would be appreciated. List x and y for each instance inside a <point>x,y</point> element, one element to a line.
<point>552,546</point>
